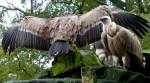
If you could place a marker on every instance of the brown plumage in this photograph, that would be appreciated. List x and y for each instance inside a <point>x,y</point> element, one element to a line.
<point>58,34</point>
<point>122,43</point>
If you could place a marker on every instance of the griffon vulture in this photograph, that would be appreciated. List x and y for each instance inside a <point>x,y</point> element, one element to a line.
<point>59,34</point>
<point>122,44</point>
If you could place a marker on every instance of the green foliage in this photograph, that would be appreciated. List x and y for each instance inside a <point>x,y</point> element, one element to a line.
<point>145,42</point>
<point>23,65</point>
<point>65,63</point>
<point>146,6</point>
<point>88,5</point>
<point>107,74</point>
<point>119,3</point>
<point>66,80</point>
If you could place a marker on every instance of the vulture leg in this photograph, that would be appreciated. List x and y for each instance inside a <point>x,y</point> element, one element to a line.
<point>100,52</point>
<point>116,61</point>
<point>126,61</point>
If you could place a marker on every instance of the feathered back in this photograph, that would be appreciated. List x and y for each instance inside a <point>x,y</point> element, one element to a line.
<point>94,15</point>
<point>63,28</point>
<point>123,41</point>
<point>34,25</point>
<point>131,42</point>
<point>124,44</point>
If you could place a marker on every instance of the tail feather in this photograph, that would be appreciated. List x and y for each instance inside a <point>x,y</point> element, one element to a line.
<point>59,47</point>
<point>136,63</point>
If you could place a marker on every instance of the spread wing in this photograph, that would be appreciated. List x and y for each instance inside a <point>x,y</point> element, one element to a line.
<point>30,33</point>
<point>90,36</point>
<point>130,21</point>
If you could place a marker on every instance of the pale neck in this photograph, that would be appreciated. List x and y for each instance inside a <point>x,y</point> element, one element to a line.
<point>111,29</point>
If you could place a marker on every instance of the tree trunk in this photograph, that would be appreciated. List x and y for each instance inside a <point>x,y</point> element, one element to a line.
<point>31,1</point>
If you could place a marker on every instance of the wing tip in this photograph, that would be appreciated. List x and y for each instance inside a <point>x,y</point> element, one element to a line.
<point>140,25</point>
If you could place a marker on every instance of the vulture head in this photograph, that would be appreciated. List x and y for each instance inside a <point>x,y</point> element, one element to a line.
<point>110,27</point>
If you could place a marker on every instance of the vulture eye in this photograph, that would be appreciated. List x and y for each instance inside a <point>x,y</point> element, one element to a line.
<point>104,19</point>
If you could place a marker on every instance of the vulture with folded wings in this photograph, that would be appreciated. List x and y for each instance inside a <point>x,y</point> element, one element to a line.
<point>122,44</point>
<point>59,34</point>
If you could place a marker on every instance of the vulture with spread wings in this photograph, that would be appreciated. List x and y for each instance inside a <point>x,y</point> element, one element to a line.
<point>59,34</point>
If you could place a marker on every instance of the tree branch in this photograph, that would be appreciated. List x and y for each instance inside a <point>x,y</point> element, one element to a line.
<point>14,8</point>
<point>101,3</point>
<point>65,2</point>
<point>31,9</point>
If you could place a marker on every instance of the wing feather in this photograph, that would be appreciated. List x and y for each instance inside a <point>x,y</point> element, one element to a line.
<point>133,27</point>
<point>128,24</point>
<point>136,23</point>
<point>91,35</point>
<point>27,34</point>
